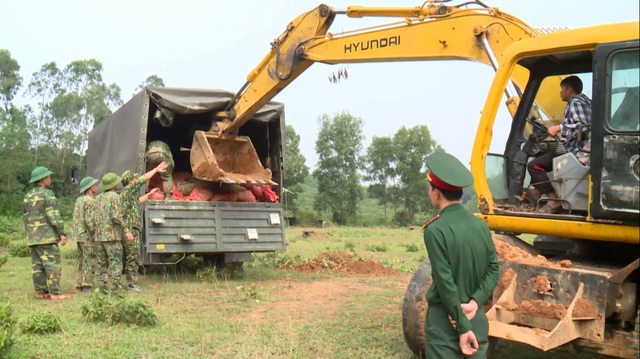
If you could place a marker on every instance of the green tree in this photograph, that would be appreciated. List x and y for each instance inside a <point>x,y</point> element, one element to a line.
<point>380,170</point>
<point>339,147</point>
<point>70,102</point>
<point>10,79</point>
<point>151,80</point>
<point>412,146</point>
<point>296,169</point>
<point>14,138</point>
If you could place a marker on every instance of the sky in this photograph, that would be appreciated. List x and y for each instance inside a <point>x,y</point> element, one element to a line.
<point>214,44</point>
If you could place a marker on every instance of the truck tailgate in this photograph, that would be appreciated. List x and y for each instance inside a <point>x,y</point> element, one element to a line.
<point>210,227</point>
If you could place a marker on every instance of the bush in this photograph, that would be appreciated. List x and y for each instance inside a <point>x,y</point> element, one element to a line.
<point>3,260</point>
<point>19,249</point>
<point>412,247</point>
<point>118,310</point>
<point>42,323</point>
<point>378,248</point>
<point>350,246</point>
<point>7,328</point>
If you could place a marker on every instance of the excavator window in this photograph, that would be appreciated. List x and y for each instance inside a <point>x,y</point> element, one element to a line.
<point>624,110</point>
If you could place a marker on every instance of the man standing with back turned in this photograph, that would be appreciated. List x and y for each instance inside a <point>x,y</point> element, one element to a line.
<point>464,266</point>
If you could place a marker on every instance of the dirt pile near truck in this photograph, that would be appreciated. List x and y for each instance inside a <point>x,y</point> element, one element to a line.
<point>343,262</point>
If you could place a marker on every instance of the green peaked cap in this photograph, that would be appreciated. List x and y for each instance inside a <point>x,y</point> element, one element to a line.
<point>39,173</point>
<point>86,183</point>
<point>449,170</point>
<point>109,181</point>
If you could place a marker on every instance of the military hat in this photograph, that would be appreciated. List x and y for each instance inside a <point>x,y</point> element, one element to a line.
<point>86,183</point>
<point>109,181</point>
<point>127,176</point>
<point>39,173</point>
<point>447,172</point>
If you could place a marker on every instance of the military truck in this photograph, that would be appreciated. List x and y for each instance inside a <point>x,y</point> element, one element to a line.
<point>219,231</point>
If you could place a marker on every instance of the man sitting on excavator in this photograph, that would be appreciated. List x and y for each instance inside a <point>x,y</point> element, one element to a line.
<point>577,113</point>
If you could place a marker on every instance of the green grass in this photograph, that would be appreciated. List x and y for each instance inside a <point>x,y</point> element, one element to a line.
<point>270,313</point>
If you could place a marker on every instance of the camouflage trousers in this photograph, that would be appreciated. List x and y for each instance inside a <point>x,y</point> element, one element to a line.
<point>86,264</point>
<point>45,268</point>
<point>132,257</point>
<point>109,265</point>
<point>154,159</point>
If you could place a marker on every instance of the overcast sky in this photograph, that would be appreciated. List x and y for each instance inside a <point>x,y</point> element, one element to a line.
<point>214,44</point>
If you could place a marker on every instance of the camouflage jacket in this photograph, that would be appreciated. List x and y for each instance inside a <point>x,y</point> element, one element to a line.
<point>106,218</point>
<point>131,203</point>
<point>160,151</point>
<point>42,220</point>
<point>80,225</point>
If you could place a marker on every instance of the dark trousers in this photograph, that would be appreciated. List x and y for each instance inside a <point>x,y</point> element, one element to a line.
<point>538,168</point>
<point>443,342</point>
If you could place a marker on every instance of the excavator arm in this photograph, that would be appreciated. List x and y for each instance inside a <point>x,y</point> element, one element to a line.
<point>428,32</point>
<point>432,31</point>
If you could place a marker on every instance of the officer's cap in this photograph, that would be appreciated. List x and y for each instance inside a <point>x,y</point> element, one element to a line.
<point>447,172</point>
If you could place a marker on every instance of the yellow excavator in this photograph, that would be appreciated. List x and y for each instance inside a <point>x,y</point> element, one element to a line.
<point>582,264</point>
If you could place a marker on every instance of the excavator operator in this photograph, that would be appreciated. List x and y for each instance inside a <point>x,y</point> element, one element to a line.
<point>576,114</point>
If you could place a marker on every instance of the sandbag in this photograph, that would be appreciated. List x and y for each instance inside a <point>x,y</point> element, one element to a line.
<point>200,194</point>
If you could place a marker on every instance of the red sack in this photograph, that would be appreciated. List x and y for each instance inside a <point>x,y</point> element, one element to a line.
<point>246,196</point>
<point>200,194</point>
<point>256,190</point>
<point>270,195</point>
<point>158,195</point>
<point>176,194</point>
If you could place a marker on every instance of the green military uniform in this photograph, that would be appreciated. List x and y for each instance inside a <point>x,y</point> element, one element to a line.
<point>82,236</point>
<point>107,220</point>
<point>158,152</point>
<point>464,265</point>
<point>131,212</point>
<point>44,227</point>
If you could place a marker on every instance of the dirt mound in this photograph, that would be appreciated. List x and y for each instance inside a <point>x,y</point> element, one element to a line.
<point>343,262</point>
<point>537,308</point>
<point>507,252</point>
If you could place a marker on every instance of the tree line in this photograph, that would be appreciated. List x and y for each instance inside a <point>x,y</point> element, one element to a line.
<point>45,121</point>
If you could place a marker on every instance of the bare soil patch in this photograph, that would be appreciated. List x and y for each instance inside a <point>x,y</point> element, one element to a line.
<point>343,262</point>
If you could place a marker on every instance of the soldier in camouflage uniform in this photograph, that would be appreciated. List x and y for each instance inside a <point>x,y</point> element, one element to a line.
<point>110,230</point>
<point>131,212</point>
<point>44,229</point>
<point>81,234</point>
<point>158,152</point>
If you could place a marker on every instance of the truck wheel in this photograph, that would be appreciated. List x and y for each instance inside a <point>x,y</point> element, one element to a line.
<point>414,309</point>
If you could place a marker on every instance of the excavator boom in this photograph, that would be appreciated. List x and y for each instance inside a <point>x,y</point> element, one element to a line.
<point>428,32</point>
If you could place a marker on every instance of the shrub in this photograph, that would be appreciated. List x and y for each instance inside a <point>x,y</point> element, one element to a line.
<point>378,248</point>
<point>118,310</point>
<point>412,247</point>
<point>42,323</point>
<point>19,249</point>
<point>349,246</point>
<point>3,260</point>
<point>7,328</point>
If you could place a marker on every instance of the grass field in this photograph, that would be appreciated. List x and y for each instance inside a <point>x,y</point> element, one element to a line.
<point>270,313</point>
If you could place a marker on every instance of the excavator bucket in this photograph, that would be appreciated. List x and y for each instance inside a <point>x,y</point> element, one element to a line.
<point>227,159</point>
